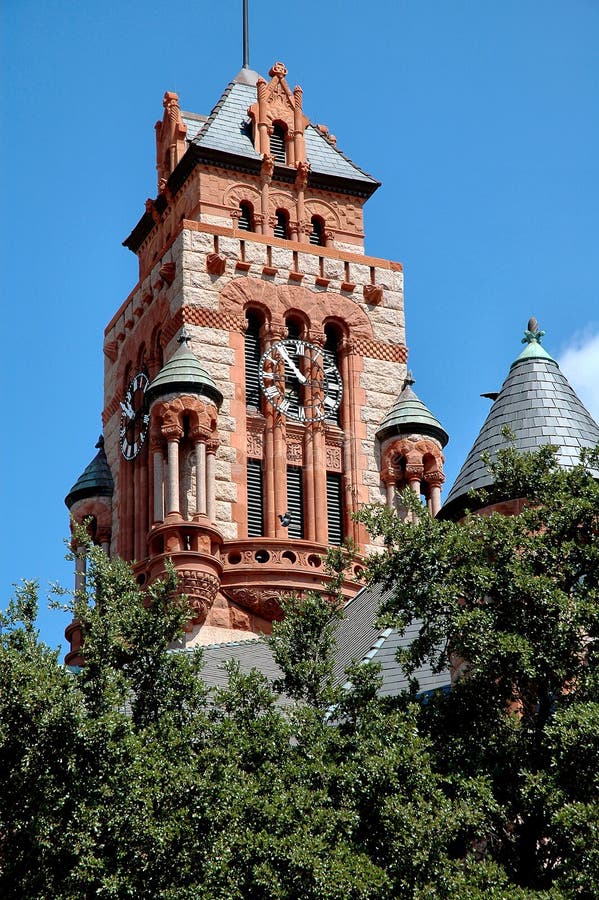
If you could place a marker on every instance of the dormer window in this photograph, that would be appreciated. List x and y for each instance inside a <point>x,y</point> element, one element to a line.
<point>246,217</point>
<point>317,233</point>
<point>281,229</point>
<point>278,140</point>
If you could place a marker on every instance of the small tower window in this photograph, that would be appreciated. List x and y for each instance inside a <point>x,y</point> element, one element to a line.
<point>246,218</point>
<point>278,149</point>
<point>282,224</point>
<point>317,233</point>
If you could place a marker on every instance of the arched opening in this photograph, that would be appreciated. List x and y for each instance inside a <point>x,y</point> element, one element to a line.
<point>278,141</point>
<point>317,233</point>
<point>281,229</point>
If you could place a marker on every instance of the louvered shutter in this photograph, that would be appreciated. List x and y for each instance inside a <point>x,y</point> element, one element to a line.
<point>255,504</point>
<point>252,361</point>
<point>295,502</point>
<point>316,236</point>
<point>277,145</point>
<point>334,508</point>
<point>280,229</point>
<point>244,223</point>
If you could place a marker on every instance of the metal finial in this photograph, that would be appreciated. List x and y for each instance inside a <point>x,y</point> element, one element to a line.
<point>246,36</point>
<point>409,380</point>
<point>100,443</point>
<point>532,333</point>
<point>184,337</point>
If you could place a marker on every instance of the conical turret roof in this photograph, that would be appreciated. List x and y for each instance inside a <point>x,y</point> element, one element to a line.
<point>539,406</point>
<point>183,373</point>
<point>95,480</point>
<point>409,415</point>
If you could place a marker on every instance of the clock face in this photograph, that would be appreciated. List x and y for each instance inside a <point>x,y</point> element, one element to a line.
<point>300,380</point>
<point>134,417</point>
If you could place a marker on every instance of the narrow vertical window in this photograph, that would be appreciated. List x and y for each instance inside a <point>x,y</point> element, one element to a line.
<point>252,361</point>
<point>335,508</point>
<point>295,502</point>
<point>246,218</point>
<point>281,229</point>
<point>278,149</point>
<point>255,501</point>
<point>317,233</point>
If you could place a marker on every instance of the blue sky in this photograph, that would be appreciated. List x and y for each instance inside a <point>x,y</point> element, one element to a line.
<point>480,119</point>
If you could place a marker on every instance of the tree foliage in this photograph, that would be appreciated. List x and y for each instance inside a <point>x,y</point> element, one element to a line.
<point>128,779</point>
<point>511,606</point>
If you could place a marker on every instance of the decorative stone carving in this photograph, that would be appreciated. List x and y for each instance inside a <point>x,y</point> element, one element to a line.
<point>263,602</point>
<point>294,454</point>
<point>255,444</point>
<point>333,457</point>
<point>201,589</point>
<point>301,178</point>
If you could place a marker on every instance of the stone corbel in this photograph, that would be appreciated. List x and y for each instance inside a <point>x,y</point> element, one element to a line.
<point>373,293</point>
<point>167,272</point>
<point>216,263</point>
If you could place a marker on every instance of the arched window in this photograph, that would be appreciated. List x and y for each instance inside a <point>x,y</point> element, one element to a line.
<point>278,150</point>
<point>317,233</point>
<point>282,224</point>
<point>246,219</point>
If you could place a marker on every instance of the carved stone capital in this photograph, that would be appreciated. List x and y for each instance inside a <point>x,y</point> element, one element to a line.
<point>171,432</point>
<point>212,446</point>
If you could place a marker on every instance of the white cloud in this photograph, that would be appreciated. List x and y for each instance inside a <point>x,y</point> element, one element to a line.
<point>580,364</point>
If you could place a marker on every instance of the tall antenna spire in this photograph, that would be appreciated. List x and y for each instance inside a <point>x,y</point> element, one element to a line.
<point>246,36</point>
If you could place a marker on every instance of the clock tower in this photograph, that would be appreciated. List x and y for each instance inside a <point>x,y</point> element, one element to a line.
<point>255,377</point>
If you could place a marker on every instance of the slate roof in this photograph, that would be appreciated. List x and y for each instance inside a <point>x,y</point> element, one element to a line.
<point>228,129</point>
<point>540,407</point>
<point>357,640</point>
<point>95,480</point>
<point>409,415</point>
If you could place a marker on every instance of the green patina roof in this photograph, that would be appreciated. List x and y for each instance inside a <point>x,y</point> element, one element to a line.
<point>409,415</point>
<point>94,481</point>
<point>533,349</point>
<point>183,373</point>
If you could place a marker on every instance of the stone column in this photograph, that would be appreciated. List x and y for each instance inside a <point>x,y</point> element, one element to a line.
<point>158,466</point>
<point>80,565</point>
<point>173,437</point>
<point>320,484</point>
<point>211,448</point>
<point>435,481</point>
<point>200,461</point>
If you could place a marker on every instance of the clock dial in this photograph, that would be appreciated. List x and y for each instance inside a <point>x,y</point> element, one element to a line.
<point>300,380</point>
<point>134,417</point>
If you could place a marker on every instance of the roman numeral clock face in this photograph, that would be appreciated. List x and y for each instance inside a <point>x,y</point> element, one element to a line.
<point>134,417</point>
<point>300,380</point>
